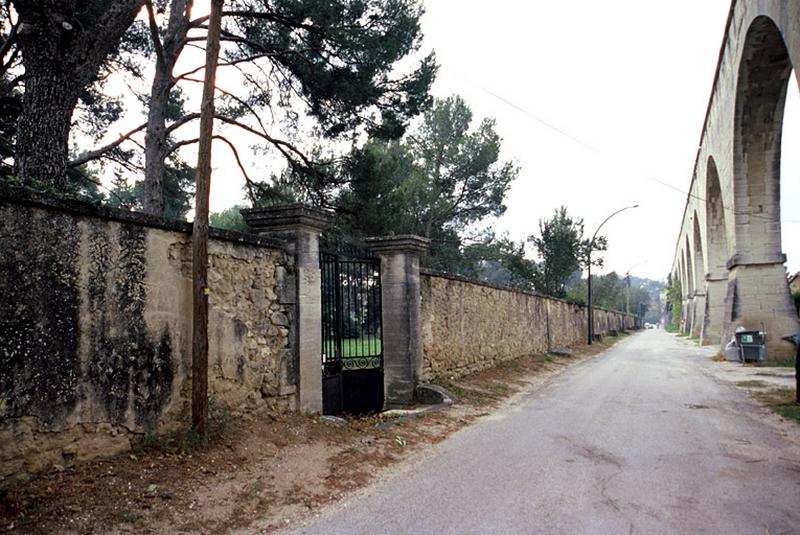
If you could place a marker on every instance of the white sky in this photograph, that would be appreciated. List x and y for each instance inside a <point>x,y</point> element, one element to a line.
<point>630,79</point>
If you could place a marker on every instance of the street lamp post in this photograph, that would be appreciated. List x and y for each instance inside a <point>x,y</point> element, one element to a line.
<point>590,319</point>
<point>628,286</point>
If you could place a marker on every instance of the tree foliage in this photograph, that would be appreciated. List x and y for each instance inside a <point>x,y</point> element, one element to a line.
<point>333,62</point>
<point>562,251</point>
<point>229,219</point>
<point>440,181</point>
<point>337,57</point>
<point>500,261</point>
<point>675,300</point>
<point>610,291</point>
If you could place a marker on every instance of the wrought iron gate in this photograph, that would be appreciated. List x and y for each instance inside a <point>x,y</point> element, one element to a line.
<point>352,337</point>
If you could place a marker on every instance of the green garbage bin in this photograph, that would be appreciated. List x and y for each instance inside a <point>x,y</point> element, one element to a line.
<point>752,345</point>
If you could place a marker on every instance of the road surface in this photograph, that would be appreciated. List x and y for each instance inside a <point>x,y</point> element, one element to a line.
<point>642,439</point>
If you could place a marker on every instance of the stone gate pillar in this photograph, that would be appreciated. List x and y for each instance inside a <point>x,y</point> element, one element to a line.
<point>402,330</point>
<point>300,226</point>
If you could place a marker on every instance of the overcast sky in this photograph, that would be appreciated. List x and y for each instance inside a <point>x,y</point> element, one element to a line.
<point>629,80</point>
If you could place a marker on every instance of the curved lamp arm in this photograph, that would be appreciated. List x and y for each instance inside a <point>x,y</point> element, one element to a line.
<point>594,236</point>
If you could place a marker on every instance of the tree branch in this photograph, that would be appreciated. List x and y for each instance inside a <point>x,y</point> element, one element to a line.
<point>98,153</point>
<point>247,106</point>
<point>159,47</point>
<point>10,39</point>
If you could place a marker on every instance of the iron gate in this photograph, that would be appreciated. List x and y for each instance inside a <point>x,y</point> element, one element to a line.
<point>352,337</point>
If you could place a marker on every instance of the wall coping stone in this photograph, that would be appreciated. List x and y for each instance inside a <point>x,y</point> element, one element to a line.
<point>27,197</point>
<point>288,216</point>
<point>460,278</point>
<point>402,243</point>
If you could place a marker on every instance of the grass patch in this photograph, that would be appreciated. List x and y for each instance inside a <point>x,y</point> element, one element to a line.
<point>498,389</point>
<point>752,383</point>
<point>366,346</point>
<point>468,395</point>
<point>778,363</point>
<point>127,517</point>
<point>187,440</point>
<point>781,401</point>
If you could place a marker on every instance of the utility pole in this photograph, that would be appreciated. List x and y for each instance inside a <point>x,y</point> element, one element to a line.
<point>200,292</point>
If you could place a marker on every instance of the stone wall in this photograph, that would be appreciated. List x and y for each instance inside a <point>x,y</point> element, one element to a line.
<point>95,331</point>
<point>469,326</point>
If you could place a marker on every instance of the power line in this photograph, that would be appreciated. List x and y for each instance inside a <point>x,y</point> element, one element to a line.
<point>536,118</point>
<point>731,210</point>
<point>593,149</point>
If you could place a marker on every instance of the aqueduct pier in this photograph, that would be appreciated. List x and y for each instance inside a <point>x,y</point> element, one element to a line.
<point>728,256</point>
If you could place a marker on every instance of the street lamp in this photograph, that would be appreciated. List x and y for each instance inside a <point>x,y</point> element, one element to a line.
<point>628,286</point>
<point>590,319</point>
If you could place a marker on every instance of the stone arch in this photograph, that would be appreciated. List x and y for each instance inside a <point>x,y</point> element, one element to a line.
<point>689,267</point>
<point>758,296</point>
<point>763,78</point>
<point>716,229</point>
<point>684,274</point>
<point>698,303</point>
<point>717,254</point>
<point>699,257</point>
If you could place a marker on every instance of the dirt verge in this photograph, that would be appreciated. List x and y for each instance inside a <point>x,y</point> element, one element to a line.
<point>268,471</point>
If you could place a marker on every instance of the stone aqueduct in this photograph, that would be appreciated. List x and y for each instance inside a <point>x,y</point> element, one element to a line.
<point>728,257</point>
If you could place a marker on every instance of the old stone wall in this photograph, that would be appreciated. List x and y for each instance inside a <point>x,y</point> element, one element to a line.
<point>468,326</point>
<point>95,328</point>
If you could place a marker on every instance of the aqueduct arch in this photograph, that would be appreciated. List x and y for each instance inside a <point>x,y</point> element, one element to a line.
<point>733,210</point>
<point>689,288</point>
<point>698,280</point>
<point>717,255</point>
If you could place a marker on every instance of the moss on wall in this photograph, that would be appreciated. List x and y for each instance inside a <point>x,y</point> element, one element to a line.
<point>40,372</point>
<point>126,363</point>
<point>95,331</point>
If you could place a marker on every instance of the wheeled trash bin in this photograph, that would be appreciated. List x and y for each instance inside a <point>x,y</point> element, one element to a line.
<point>752,345</point>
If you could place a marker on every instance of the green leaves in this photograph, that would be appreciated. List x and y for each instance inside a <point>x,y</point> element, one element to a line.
<point>440,181</point>
<point>560,247</point>
<point>339,57</point>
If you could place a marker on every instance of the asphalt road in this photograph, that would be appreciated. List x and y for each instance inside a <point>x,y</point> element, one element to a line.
<point>642,439</point>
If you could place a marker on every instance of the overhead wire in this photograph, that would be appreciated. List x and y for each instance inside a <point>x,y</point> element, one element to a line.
<point>585,145</point>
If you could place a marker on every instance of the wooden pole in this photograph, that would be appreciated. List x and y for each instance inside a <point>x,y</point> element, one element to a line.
<point>200,294</point>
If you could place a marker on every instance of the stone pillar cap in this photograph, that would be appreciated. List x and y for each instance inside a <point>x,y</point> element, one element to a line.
<point>402,243</point>
<point>287,216</point>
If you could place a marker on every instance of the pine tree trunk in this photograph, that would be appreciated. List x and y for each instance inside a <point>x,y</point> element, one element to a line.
<point>43,127</point>
<point>156,139</point>
<point>155,144</point>
<point>63,45</point>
